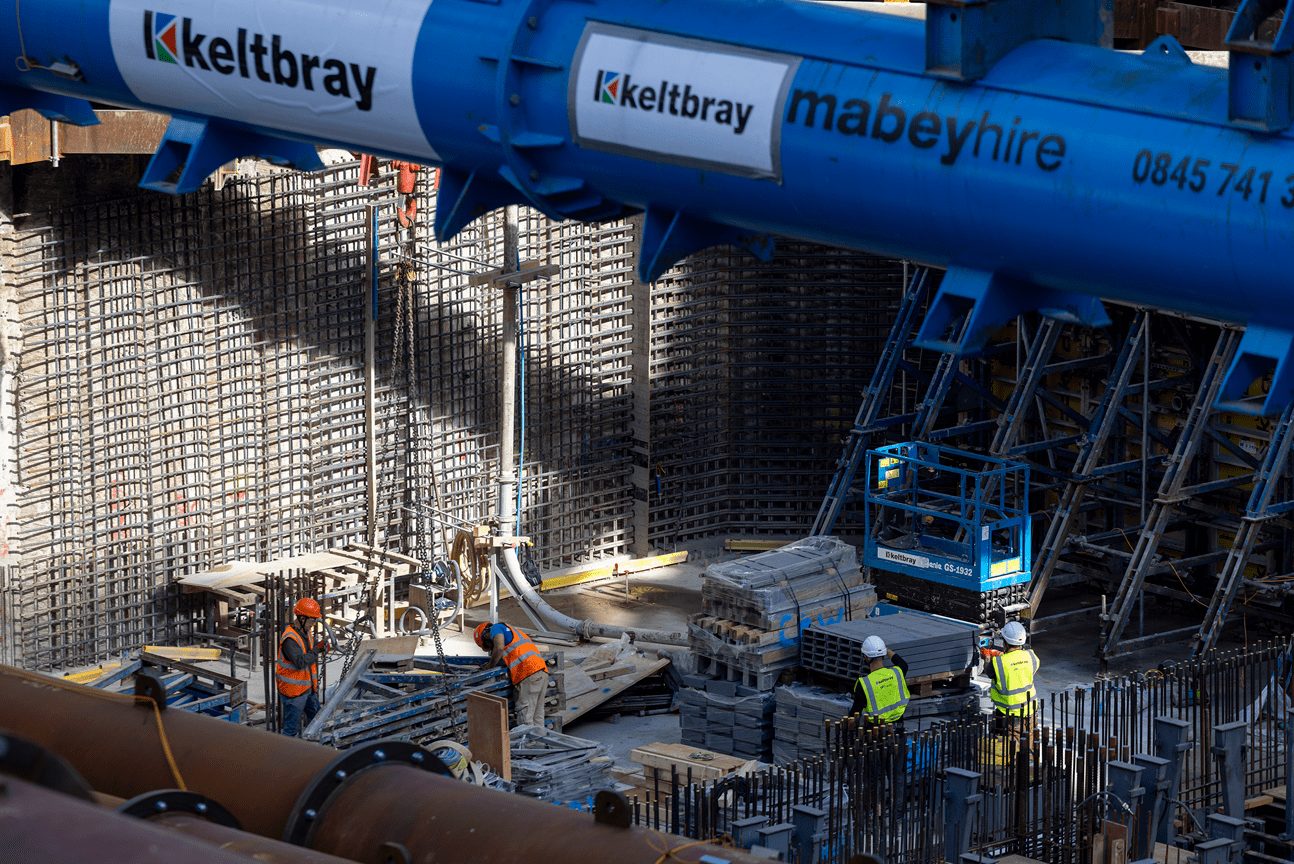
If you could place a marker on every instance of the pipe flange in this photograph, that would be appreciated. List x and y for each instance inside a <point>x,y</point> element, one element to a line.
<point>611,808</point>
<point>27,761</point>
<point>314,798</point>
<point>165,801</point>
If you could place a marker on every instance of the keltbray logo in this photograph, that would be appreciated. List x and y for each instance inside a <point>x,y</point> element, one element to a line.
<point>256,56</point>
<point>159,36</point>
<point>667,97</point>
<point>609,87</point>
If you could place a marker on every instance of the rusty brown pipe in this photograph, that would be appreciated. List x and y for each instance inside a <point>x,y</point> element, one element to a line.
<point>263,850</point>
<point>38,824</point>
<point>114,744</point>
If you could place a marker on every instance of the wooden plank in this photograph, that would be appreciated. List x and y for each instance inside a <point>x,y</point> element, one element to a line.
<point>732,545</point>
<point>403,646</point>
<point>614,568</point>
<point>178,652</point>
<point>705,764</point>
<point>1172,855</point>
<point>1260,801</point>
<point>1116,842</point>
<point>487,732</point>
<point>91,674</point>
<point>613,672</point>
<point>579,705</point>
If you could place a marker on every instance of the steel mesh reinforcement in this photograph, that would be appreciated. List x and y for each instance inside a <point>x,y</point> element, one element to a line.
<point>185,387</point>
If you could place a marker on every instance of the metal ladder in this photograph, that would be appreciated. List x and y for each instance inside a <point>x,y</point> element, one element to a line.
<point>1258,511</point>
<point>1170,490</point>
<point>875,399</point>
<point>1090,452</point>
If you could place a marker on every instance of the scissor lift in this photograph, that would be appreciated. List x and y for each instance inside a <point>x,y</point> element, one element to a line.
<point>948,516</point>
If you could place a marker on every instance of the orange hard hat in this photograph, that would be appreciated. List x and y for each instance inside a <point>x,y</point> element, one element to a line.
<point>307,607</point>
<point>479,634</point>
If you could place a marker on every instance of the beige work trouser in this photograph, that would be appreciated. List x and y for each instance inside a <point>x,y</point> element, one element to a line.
<point>530,698</point>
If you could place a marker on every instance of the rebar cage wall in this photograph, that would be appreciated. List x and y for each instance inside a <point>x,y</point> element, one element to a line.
<point>185,385</point>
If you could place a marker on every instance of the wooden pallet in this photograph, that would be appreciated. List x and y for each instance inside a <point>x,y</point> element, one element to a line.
<point>735,632</point>
<point>665,758</point>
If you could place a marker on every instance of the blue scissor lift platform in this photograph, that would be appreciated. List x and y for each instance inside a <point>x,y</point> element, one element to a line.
<point>949,516</point>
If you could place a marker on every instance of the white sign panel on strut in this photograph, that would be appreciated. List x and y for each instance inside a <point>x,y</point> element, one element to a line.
<point>331,69</point>
<point>679,100</point>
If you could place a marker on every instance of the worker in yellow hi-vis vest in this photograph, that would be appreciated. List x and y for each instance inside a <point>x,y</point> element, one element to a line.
<point>1012,672</point>
<point>881,695</point>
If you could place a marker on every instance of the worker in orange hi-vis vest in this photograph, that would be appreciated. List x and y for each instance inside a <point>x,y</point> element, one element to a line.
<point>513,649</point>
<point>296,673</point>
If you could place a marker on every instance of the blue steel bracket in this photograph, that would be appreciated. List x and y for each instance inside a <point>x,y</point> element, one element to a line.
<point>972,305</point>
<point>64,109</point>
<point>1156,782</point>
<point>1261,77</point>
<point>1213,852</point>
<point>194,147</point>
<point>1126,787</point>
<point>670,236</point>
<point>1229,749</point>
<point>1231,829</point>
<point>961,792</point>
<point>464,197</point>
<point>965,38</point>
<point>1172,742</point>
<point>1263,352</point>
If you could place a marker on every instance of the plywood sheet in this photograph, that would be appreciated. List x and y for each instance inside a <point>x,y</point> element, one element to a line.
<point>487,732</point>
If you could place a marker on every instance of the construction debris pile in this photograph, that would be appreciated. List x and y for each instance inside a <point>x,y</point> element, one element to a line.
<point>556,767</point>
<point>747,637</point>
<point>414,701</point>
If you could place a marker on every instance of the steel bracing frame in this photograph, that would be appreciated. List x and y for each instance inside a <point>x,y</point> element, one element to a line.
<point>1136,475</point>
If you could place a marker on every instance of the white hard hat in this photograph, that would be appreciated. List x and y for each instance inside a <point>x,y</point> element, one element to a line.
<point>1014,633</point>
<point>873,647</point>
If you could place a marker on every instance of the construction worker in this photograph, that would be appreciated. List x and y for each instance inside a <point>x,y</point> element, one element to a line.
<point>1012,671</point>
<point>511,648</point>
<point>881,695</point>
<point>297,670</point>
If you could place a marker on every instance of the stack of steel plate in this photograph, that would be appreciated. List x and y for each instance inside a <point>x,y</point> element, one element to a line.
<point>931,644</point>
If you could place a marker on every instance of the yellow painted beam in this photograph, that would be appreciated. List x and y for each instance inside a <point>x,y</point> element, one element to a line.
<point>91,674</point>
<point>753,545</point>
<point>176,652</point>
<point>612,570</point>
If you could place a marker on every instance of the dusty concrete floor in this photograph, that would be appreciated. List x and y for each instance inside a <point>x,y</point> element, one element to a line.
<point>664,598</point>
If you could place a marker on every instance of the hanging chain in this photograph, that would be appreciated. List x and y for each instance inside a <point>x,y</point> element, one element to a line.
<point>373,581</point>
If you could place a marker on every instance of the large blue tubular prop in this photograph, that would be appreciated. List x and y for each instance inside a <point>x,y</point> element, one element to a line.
<point>999,139</point>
